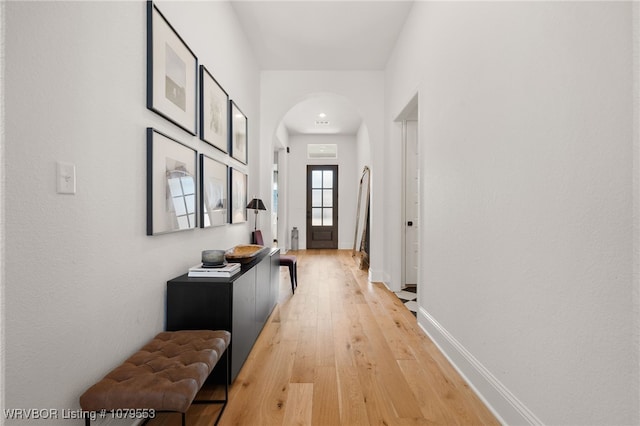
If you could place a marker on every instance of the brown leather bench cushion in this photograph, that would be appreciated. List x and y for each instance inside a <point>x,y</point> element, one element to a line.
<point>165,375</point>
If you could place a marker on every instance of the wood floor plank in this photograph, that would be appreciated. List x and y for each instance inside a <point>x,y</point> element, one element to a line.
<point>342,351</point>
<point>324,348</point>
<point>352,402</point>
<point>299,404</point>
<point>326,408</point>
<point>432,406</point>
<point>304,365</point>
<point>388,374</point>
<point>353,410</point>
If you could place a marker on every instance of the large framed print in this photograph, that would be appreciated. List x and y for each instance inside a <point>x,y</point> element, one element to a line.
<point>171,184</point>
<point>214,187</point>
<point>214,112</point>
<point>239,127</point>
<point>238,196</point>
<point>172,73</point>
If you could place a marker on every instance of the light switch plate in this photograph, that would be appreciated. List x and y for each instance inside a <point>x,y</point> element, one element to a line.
<point>66,178</point>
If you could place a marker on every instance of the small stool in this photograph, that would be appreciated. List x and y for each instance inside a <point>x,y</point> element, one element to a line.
<point>291,262</point>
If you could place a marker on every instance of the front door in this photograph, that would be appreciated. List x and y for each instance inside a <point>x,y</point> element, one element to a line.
<point>322,207</point>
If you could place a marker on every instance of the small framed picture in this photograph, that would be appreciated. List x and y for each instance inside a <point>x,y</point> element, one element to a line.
<point>171,184</point>
<point>239,128</point>
<point>172,73</point>
<point>214,187</point>
<point>238,196</point>
<point>214,111</point>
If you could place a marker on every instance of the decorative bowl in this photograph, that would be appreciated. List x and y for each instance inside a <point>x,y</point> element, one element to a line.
<point>244,253</point>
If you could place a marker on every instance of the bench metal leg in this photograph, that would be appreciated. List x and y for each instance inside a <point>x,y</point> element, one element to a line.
<point>226,391</point>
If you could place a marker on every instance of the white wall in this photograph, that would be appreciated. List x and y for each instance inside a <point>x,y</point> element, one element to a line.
<point>364,149</point>
<point>2,218</point>
<point>280,144</point>
<point>636,183</point>
<point>348,180</point>
<point>84,286</point>
<point>527,158</point>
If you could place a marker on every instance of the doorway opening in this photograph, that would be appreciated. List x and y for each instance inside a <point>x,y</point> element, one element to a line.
<point>274,198</point>
<point>410,231</point>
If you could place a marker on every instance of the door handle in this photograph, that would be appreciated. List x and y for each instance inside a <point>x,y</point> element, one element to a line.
<point>410,223</point>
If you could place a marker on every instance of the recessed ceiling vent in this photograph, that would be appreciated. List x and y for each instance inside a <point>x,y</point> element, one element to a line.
<point>322,151</point>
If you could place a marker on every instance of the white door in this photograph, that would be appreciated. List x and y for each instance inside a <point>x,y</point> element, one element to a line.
<point>412,202</point>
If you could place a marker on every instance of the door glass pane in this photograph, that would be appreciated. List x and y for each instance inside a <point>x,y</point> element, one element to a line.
<point>327,217</point>
<point>316,217</point>
<point>327,179</point>
<point>316,198</point>
<point>316,179</point>
<point>327,198</point>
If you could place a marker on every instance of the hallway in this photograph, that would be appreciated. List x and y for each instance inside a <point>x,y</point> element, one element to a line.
<point>342,351</point>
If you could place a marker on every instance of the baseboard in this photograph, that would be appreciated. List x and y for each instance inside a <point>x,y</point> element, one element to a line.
<point>504,405</point>
<point>376,276</point>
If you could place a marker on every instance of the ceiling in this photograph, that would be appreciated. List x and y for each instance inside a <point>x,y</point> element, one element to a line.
<point>323,114</point>
<point>322,35</point>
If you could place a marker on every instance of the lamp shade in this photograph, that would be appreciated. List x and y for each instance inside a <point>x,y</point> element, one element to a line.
<point>256,204</point>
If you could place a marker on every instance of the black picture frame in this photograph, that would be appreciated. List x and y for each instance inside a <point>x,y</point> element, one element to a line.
<point>171,184</point>
<point>238,195</point>
<point>214,112</point>
<point>239,129</point>
<point>172,73</point>
<point>214,192</point>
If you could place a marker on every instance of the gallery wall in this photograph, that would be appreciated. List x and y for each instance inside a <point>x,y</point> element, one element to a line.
<point>84,286</point>
<point>526,125</point>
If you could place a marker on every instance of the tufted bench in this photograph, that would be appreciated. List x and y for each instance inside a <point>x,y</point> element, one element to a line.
<point>165,375</point>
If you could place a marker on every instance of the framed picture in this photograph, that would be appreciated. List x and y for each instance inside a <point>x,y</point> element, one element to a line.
<point>171,184</point>
<point>238,196</point>
<point>214,187</point>
<point>214,112</point>
<point>238,134</point>
<point>172,73</point>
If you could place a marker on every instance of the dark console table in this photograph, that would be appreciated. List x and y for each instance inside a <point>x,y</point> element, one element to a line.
<point>240,304</point>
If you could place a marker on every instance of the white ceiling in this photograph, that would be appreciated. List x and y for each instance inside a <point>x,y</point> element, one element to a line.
<point>340,117</point>
<point>322,35</point>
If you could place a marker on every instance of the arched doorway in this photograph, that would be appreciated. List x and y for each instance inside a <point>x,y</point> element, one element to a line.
<point>315,122</point>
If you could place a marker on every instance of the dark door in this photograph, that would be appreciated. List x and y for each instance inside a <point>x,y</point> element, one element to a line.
<point>322,207</point>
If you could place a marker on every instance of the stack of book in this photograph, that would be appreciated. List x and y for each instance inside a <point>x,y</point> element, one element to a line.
<point>228,270</point>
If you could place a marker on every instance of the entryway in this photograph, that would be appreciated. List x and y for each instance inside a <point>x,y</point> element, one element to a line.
<point>322,206</point>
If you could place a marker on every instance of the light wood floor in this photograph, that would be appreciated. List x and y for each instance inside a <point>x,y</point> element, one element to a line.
<point>341,351</point>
